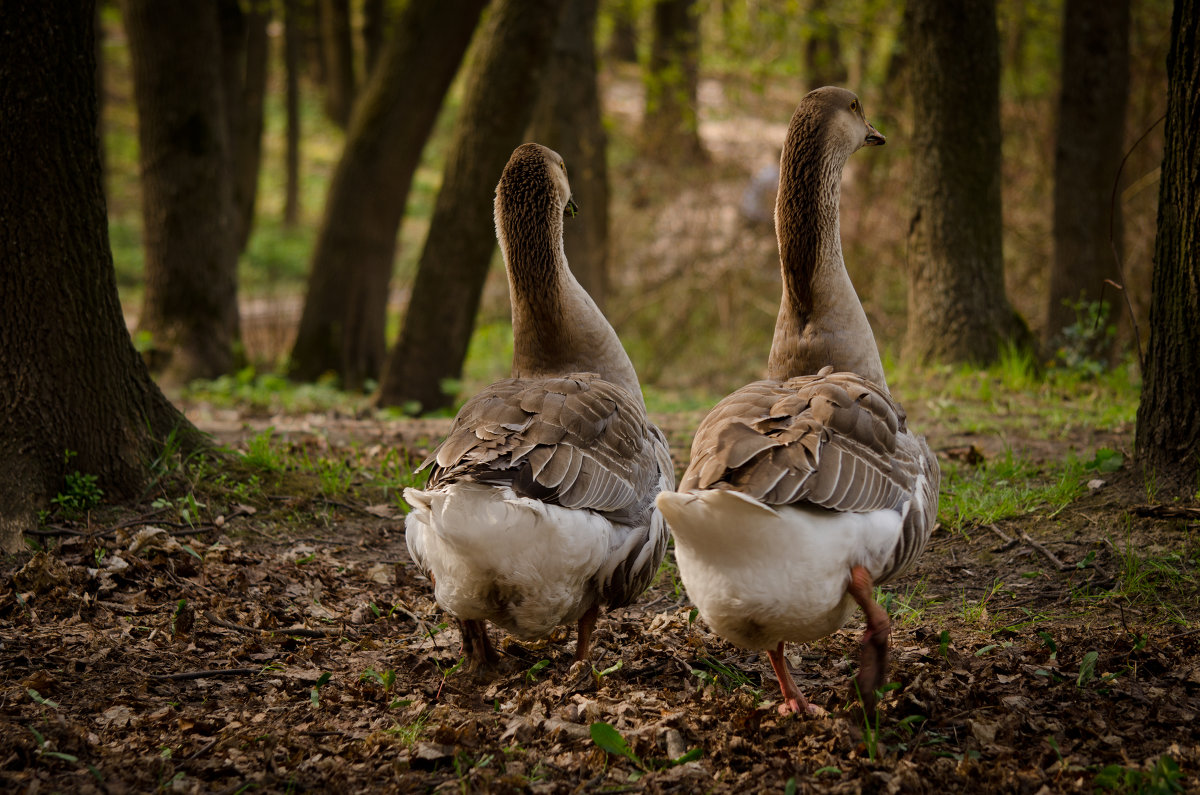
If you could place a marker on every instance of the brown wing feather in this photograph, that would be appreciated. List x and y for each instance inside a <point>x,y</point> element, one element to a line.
<point>832,439</point>
<point>576,441</point>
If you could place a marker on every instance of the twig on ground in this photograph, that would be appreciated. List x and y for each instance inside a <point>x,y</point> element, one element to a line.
<point>1009,543</point>
<point>216,672</point>
<point>1166,511</point>
<point>1050,556</point>
<point>300,632</point>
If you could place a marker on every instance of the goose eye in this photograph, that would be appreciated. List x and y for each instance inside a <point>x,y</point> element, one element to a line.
<point>854,105</point>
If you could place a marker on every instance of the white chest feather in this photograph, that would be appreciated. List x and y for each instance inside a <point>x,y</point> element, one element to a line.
<point>762,575</point>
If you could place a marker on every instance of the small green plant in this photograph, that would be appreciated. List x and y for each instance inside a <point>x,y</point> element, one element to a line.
<point>261,454</point>
<point>1165,777</point>
<point>532,674</point>
<point>610,740</point>
<point>409,733</point>
<point>81,492</point>
<point>1087,668</point>
<point>725,675</point>
<point>314,694</point>
<point>464,766</point>
<point>612,669</point>
<point>1086,342</point>
<point>386,680</point>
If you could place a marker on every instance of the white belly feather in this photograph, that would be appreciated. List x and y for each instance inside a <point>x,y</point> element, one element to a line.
<point>518,562</point>
<point>761,574</point>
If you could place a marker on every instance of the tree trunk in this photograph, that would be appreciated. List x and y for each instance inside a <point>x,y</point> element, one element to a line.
<point>374,32</point>
<point>671,126</point>
<point>823,63</point>
<point>337,41</point>
<point>70,379</point>
<point>501,90</point>
<point>1091,133</point>
<point>343,326</point>
<point>291,66</point>
<point>244,78</point>
<point>1168,421</point>
<point>957,307</point>
<point>190,304</point>
<point>567,118</point>
<point>623,44</point>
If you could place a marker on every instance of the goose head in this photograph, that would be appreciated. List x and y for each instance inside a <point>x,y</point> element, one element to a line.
<point>839,114</point>
<point>533,190</point>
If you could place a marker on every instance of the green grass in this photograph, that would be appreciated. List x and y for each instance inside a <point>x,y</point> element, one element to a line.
<point>1005,488</point>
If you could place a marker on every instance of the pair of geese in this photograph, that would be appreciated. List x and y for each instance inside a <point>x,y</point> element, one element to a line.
<point>552,495</point>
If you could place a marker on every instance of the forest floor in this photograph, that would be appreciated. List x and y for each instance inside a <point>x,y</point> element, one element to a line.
<point>266,632</point>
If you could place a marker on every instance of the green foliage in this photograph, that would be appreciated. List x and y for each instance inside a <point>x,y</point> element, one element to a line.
<point>1164,778</point>
<point>81,492</point>
<point>1086,343</point>
<point>1007,487</point>
<point>605,736</point>
<point>270,392</point>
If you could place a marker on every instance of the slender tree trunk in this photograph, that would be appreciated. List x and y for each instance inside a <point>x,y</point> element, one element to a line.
<point>337,38</point>
<point>567,118</point>
<point>244,77</point>
<point>1091,133</point>
<point>190,305</point>
<point>291,66</point>
<point>1168,421</point>
<point>343,326</point>
<point>375,22</point>
<point>823,62</point>
<point>70,379</point>
<point>671,125</point>
<point>957,307</point>
<point>623,44</point>
<point>501,90</point>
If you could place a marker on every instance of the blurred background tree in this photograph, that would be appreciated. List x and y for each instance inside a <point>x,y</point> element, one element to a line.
<point>338,229</point>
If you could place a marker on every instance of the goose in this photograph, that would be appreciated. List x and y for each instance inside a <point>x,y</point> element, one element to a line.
<point>539,508</point>
<point>807,489</point>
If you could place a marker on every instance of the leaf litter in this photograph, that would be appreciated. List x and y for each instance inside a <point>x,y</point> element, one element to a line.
<point>297,648</point>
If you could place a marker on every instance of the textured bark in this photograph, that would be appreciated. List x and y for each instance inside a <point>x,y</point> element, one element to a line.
<point>244,80</point>
<point>671,125</point>
<point>70,378</point>
<point>291,67</point>
<point>1091,131</point>
<point>343,326</point>
<point>337,41</point>
<point>1168,421</point>
<point>567,119</point>
<point>502,88</point>
<point>957,307</point>
<point>190,304</point>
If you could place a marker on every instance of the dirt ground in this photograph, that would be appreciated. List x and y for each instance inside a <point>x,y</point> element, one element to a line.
<point>288,644</point>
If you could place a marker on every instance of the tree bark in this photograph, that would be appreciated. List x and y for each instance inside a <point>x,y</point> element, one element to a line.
<point>502,87</point>
<point>568,119</point>
<point>623,46</point>
<point>823,63</point>
<point>190,304</point>
<point>291,66</point>
<point>375,23</point>
<point>337,41</point>
<point>1091,133</point>
<point>957,307</point>
<point>342,328</point>
<point>244,78</point>
<point>70,378</point>
<point>671,125</point>
<point>1168,421</point>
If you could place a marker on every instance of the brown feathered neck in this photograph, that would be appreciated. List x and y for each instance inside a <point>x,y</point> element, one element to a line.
<point>557,327</point>
<point>821,321</point>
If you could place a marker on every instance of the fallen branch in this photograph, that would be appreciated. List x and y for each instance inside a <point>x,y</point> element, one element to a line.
<point>1049,555</point>
<point>300,632</point>
<point>217,672</point>
<point>1165,511</point>
<point>1009,543</point>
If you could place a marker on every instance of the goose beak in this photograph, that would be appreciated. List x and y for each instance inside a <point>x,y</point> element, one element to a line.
<point>874,137</point>
<point>571,210</point>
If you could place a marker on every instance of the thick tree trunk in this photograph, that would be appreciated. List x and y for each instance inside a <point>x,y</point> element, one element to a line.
<point>337,39</point>
<point>623,46</point>
<point>343,326</point>
<point>671,125</point>
<point>375,23</point>
<point>957,307</point>
<point>190,304</point>
<point>1168,421</point>
<point>244,80</point>
<point>291,67</point>
<point>567,119</point>
<point>501,90</point>
<point>70,378</point>
<point>1091,132</point>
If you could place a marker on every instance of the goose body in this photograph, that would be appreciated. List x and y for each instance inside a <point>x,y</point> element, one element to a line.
<point>806,489</point>
<point>540,508</point>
